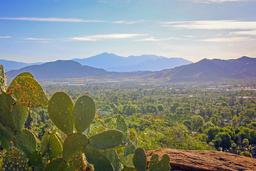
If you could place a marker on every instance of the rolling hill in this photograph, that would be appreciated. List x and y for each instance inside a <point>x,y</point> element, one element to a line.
<point>112,62</point>
<point>206,70</point>
<point>211,70</point>
<point>59,70</point>
<point>13,65</point>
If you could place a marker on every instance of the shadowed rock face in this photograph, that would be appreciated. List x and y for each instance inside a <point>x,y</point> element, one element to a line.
<point>192,160</point>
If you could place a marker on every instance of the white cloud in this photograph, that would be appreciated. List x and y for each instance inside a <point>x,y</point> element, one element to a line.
<point>212,24</point>
<point>228,39</point>
<point>101,37</point>
<point>245,33</point>
<point>128,21</point>
<point>69,20</point>
<point>5,37</point>
<point>38,39</point>
<point>156,39</point>
<point>219,1</point>
<point>151,39</point>
<point>65,20</point>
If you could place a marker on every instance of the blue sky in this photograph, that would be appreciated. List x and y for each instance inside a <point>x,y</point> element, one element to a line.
<point>46,30</point>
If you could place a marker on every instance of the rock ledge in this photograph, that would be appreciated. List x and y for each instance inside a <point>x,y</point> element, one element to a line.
<point>193,160</point>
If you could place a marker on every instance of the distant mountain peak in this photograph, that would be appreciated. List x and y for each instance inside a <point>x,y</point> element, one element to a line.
<point>116,63</point>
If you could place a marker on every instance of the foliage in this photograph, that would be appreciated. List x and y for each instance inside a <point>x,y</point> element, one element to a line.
<point>71,148</point>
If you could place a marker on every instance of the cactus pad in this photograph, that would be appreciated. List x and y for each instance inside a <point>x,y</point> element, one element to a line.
<point>60,111</point>
<point>57,165</point>
<point>74,144</point>
<point>99,161</point>
<point>27,91</point>
<point>140,160</point>
<point>107,139</point>
<point>84,113</point>
<point>26,141</point>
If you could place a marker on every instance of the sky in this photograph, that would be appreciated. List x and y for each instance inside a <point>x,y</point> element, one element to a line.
<point>47,30</point>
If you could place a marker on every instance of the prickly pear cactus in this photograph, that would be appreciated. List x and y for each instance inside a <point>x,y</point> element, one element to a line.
<point>60,109</point>
<point>27,91</point>
<point>26,141</point>
<point>107,139</point>
<point>140,160</point>
<point>15,160</point>
<point>162,165</point>
<point>74,145</point>
<point>84,113</point>
<point>153,164</point>
<point>57,165</point>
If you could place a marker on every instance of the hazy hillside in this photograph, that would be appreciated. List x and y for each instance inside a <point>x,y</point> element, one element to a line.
<point>13,65</point>
<point>211,70</point>
<point>59,70</point>
<point>205,70</point>
<point>112,62</point>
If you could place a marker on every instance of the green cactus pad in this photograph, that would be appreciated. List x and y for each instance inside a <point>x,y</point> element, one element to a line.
<point>19,115</point>
<point>26,141</point>
<point>57,165</point>
<point>129,169</point>
<point>45,143</point>
<point>26,74</point>
<point>140,160</point>
<point>55,146</point>
<point>153,164</point>
<point>84,113</point>
<point>6,105</point>
<point>27,91</point>
<point>164,163</point>
<point>60,112</point>
<point>74,144</point>
<point>107,139</point>
<point>12,114</point>
<point>99,161</point>
<point>5,136</point>
<point>121,125</point>
<point>112,156</point>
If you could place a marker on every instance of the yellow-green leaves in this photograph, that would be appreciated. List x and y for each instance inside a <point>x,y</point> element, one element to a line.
<point>74,144</point>
<point>60,109</point>
<point>27,91</point>
<point>121,125</point>
<point>107,139</point>
<point>84,113</point>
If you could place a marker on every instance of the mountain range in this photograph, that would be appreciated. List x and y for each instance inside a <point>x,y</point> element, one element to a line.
<point>59,70</point>
<point>205,70</point>
<point>116,63</point>
<point>13,65</point>
<point>213,70</point>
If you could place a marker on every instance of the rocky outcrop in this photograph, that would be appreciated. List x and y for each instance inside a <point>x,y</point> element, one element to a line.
<point>192,160</point>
